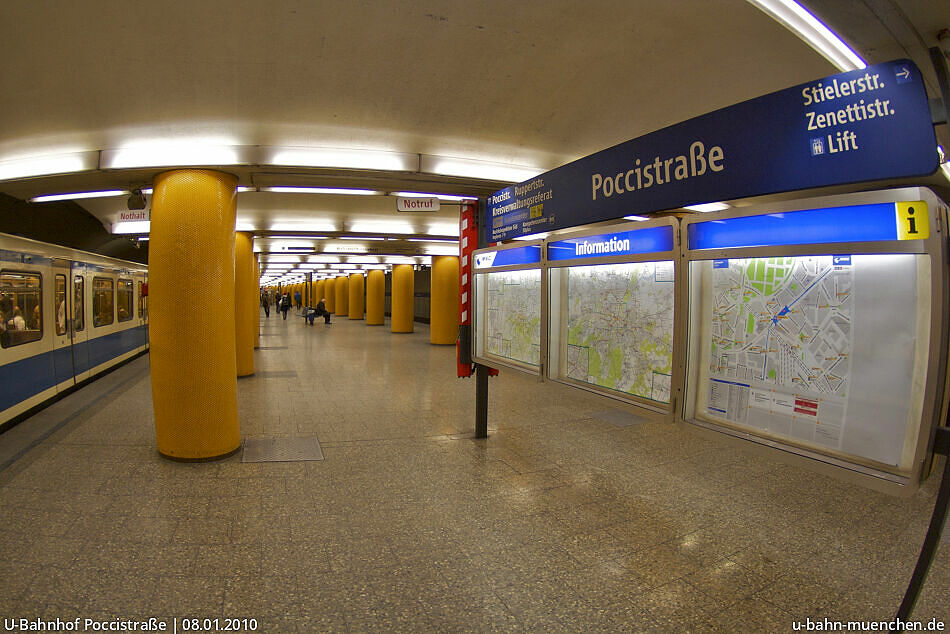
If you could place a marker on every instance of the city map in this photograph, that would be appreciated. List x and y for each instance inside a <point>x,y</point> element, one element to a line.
<point>781,342</point>
<point>513,310</point>
<point>620,327</point>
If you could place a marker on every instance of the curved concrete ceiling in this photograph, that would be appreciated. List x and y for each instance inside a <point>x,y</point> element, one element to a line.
<point>534,84</point>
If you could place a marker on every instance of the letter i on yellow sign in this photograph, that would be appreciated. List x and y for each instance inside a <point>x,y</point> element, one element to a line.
<point>913,220</point>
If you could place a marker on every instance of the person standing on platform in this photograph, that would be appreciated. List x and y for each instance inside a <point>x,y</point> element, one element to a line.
<point>298,300</point>
<point>285,304</point>
<point>265,302</point>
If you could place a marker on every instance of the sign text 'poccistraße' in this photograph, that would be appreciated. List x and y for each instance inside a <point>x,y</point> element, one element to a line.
<point>857,126</point>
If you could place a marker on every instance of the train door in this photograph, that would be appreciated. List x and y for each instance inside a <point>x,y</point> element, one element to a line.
<point>78,326</point>
<point>56,316</point>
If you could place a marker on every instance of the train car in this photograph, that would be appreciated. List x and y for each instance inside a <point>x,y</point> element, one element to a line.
<point>65,317</point>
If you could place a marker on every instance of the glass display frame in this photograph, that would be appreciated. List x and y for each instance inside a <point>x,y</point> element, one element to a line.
<point>518,261</point>
<point>572,327</point>
<point>858,273</point>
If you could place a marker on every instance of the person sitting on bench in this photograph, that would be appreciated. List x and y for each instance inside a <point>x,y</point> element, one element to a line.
<point>322,310</point>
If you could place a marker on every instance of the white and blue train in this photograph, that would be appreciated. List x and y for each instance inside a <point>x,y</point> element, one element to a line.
<point>65,317</point>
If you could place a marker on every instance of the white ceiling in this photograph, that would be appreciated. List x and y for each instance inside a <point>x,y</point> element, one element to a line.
<point>533,83</point>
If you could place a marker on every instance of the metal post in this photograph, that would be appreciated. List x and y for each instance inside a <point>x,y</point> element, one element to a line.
<point>481,401</point>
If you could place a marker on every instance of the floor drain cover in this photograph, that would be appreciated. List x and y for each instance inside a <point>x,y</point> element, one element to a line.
<point>299,449</point>
<point>618,418</point>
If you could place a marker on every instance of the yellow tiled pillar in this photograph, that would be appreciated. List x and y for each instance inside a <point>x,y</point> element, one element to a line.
<point>444,300</point>
<point>403,298</point>
<point>356,286</point>
<point>375,298</point>
<point>193,365</point>
<point>246,309</point>
<point>320,288</point>
<point>342,288</point>
<point>330,290</point>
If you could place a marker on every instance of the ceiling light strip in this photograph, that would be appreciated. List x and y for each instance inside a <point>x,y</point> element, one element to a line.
<point>811,30</point>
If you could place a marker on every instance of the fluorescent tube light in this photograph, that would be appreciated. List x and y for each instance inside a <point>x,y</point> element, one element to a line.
<point>369,226</point>
<point>448,197</point>
<point>707,207</point>
<point>472,168</point>
<point>323,258</point>
<point>46,165</point>
<point>636,218</point>
<point>818,36</point>
<point>297,227</point>
<point>442,250</point>
<point>171,154</point>
<point>446,240</point>
<point>135,226</point>
<point>443,229</point>
<point>358,238</point>
<point>108,193</point>
<point>533,236</point>
<point>340,158</point>
<point>321,190</point>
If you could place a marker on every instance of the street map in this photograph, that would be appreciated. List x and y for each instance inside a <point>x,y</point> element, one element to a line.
<point>513,309</point>
<point>781,341</point>
<point>620,327</point>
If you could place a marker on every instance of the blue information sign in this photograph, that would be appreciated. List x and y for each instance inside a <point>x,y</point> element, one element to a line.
<point>528,254</point>
<point>638,241</point>
<point>854,223</point>
<point>857,126</point>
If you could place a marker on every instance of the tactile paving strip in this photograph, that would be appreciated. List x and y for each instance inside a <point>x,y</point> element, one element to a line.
<point>618,418</point>
<point>299,449</point>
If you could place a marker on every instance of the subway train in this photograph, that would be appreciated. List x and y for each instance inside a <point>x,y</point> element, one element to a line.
<point>65,317</point>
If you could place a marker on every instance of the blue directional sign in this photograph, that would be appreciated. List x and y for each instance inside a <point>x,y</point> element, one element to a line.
<point>857,126</point>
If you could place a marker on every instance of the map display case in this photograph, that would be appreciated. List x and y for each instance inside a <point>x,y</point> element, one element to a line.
<point>507,306</point>
<point>819,327</point>
<point>612,293</point>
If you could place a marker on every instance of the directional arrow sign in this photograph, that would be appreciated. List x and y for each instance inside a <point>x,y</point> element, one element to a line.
<point>858,126</point>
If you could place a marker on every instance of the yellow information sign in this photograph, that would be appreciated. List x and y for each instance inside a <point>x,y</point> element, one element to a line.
<point>913,220</point>
<point>536,211</point>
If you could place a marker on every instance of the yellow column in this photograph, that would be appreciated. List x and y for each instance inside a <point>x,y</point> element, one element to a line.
<point>246,313</point>
<point>375,298</point>
<point>403,298</point>
<point>444,300</point>
<point>356,302</point>
<point>319,293</point>
<point>257,311</point>
<point>330,290</point>
<point>193,365</point>
<point>342,289</point>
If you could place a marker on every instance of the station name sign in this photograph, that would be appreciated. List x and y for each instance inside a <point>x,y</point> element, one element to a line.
<point>852,127</point>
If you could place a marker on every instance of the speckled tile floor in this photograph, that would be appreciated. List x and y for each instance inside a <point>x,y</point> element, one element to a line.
<point>559,521</point>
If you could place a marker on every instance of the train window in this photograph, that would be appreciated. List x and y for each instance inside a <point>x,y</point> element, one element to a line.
<point>60,304</point>
<point>124,299</point>
<point>21,308</point>
<point>79,322</point>
<point>103,301</point>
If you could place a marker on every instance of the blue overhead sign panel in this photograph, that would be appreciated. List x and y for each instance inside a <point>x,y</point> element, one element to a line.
<point>529,254</point>
<point>636,242</point>
<point>857,126</point>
